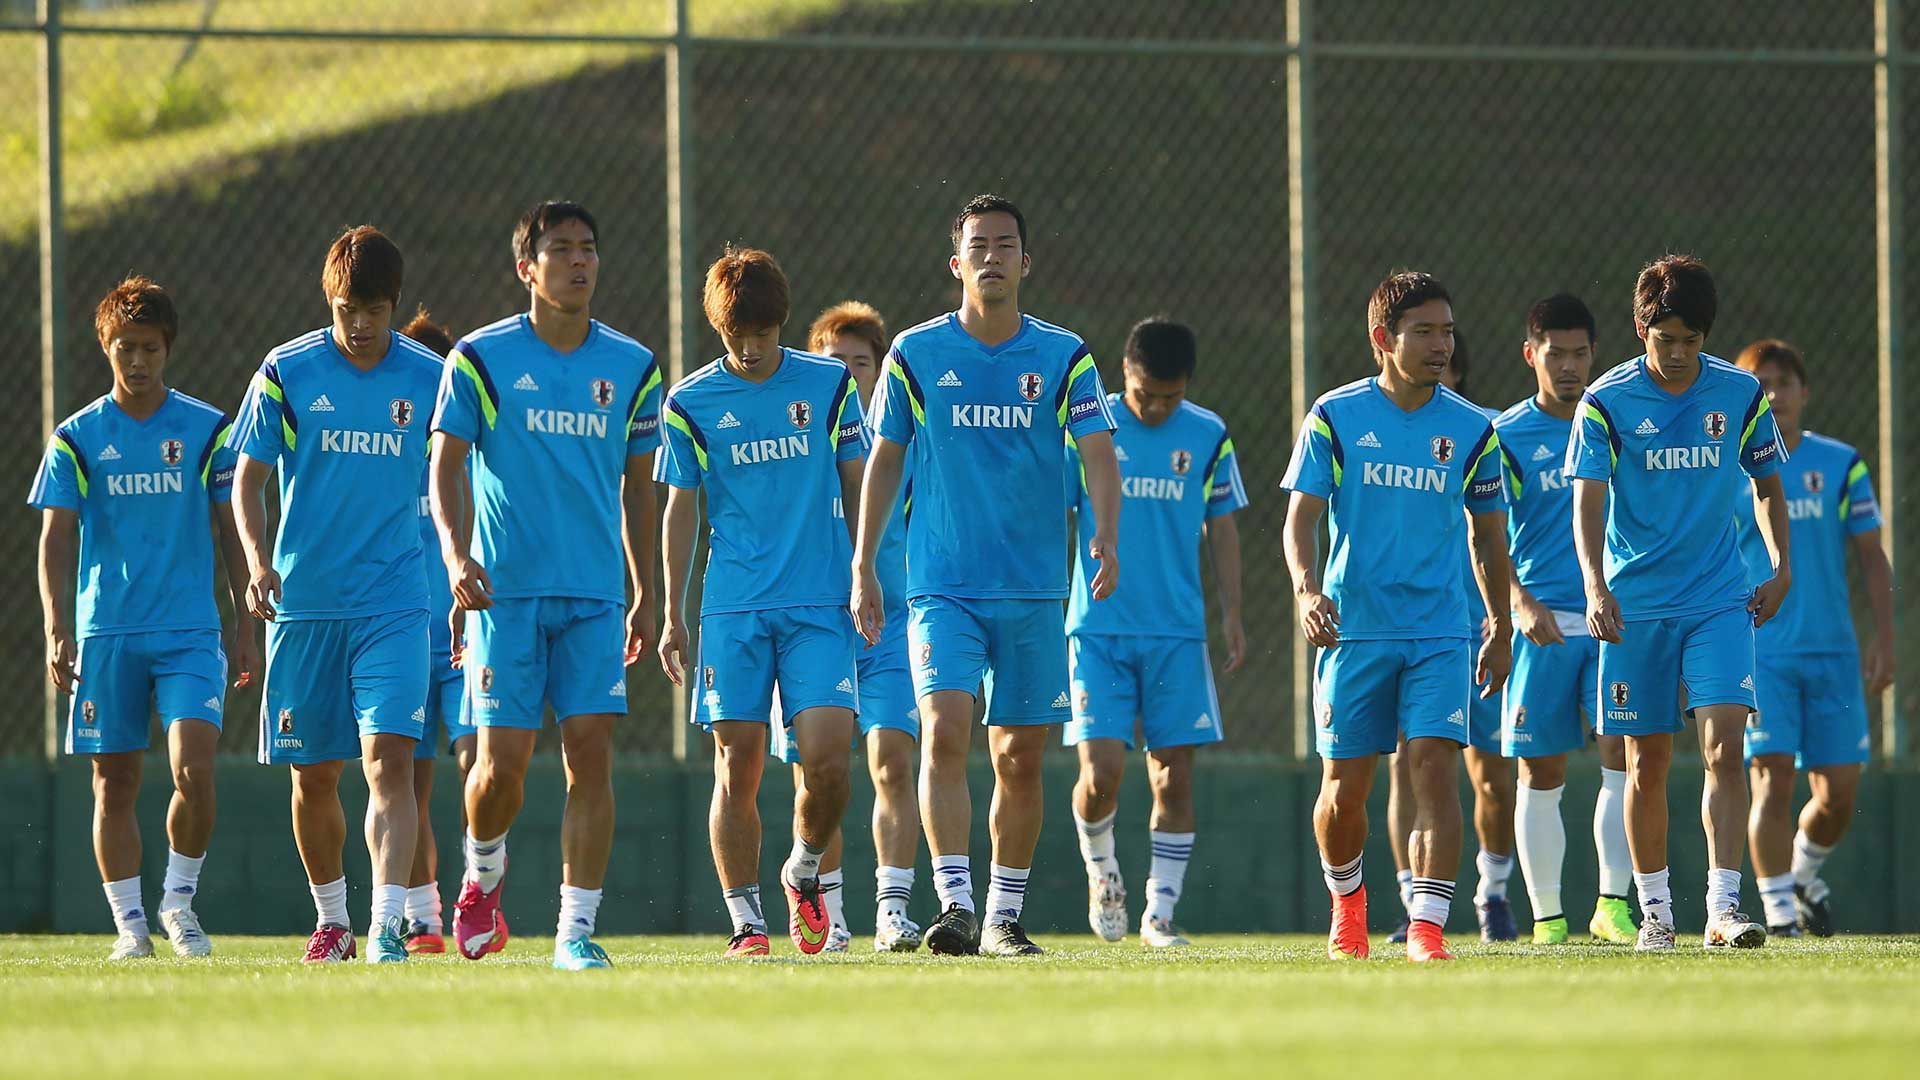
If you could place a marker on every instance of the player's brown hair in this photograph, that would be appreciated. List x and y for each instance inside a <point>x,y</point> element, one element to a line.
<point>849,317</point>
<point>1400,293</point>
<point>1774,351</point>
<point>424,330</point>
<point>1676,287</point>
<point>746,290</point>
<point>363,264</point>
<point>137,301</point>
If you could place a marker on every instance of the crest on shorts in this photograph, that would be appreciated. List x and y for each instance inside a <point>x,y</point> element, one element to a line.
<point>1618,693</point>
<point>171,451</point>
<point>800,413</point>
<point>1442,448</point>
<point>709,677</point>
<point>1715,423</point>
<point>401,410</point>
<point>1031,383</point>
<point>286,721</point>
<point>1182,461</point>
<point>602,393</point>
<point>1080,701</point>
<point>926,653</point>
<point>86,713</point>
<point>486,679</point>
<point>1816,481</point>
<point>1326,714</point>
<point>1520,716</point>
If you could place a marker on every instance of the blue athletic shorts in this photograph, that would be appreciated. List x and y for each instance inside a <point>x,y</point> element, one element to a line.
<point>809,651</point>
<point>886,695</point>
<point>1013,650</point>
<point>332,681</point>
<point>446,693</point>
<point>1811,706</point>
<point>126,678</point>
<point>525,653</point>
<point>1164,683</point>
<point>1550,697</point>
<point>1368,693</point>
<point>1710,655</point>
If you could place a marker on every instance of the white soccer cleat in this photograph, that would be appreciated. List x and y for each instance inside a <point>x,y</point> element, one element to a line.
<point>182,927</point>
<point>131,947</point>
<point>1107,906</point>
<point>897,933</point>
<point>1161,934</point>
<point>1655,936</point>
<point>838,939</point>
<point>1731,930</point>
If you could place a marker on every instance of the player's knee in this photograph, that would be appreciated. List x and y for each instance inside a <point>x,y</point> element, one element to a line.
<point>1723,759</point>
<point>116,784</point>
<point>1101,779</point>
<point>194,781</point>
<point>736,771</point>
<point>1017,765</point>
<point>827,775</point>
<point>893,774</point>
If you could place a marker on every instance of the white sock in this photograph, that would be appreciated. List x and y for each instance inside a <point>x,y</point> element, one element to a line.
<point>1096,844</point>
<point>1171,851</point>
<point>1405,879</point>
<point>123,896</point>
<point>953,881</point>
<point>1006,892</point>
<point>1494,871</point>
<point>389,902</point>
<point>1432,899</point>
<point>1776,896</point>
<point>330,903</point>
<point>1610,833</point>
<point>743,907</point>
<point>182,881</point>
<point>1808,858</point>
<point>1540,837</point>
<point>1723,891</point>
<point>834,896</point>
<point>486,860</point>
<point>423,906</point>
<point>1342,880</point>
<point>578,909</point>
<point>803,863</point>
<point>1656,895</point>
<point>893,887</point>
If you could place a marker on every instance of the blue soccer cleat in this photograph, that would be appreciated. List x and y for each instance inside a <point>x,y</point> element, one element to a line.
<point>1496,920</point>
<point>389,942</point>
<point>579,954</point>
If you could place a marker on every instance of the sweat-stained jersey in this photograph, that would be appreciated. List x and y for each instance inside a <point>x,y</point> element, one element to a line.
<point>1829,501</point>
<point>1533,446</point>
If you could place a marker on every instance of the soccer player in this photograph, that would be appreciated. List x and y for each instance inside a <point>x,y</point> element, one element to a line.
<point>854,334</point>
<point>1656,459</point>
<point>1406,467</point>
<point>1556,662</point>
<point>979,400</point>
<point>132,489</point>
<point>1141,657</point>
<point>775,438</point>
<point>1813,714</point>
<point>559,414</point>
<point>343,585</point>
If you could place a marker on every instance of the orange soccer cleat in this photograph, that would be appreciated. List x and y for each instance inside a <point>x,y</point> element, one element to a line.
<point>747,941</point>
<point>1348,938</point>
<point>1424,942</point>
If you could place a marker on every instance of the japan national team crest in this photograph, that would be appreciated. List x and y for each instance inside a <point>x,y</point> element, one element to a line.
<point>170,451</point>
<point>926,653</point>
<point>1442,449</point>
<point>1716,424</point>
<point>1031,384</point>
<point>86,713</point>
<point>602,393</point>
<point>1816,481</point>
<point>286,721</point>
<point>1182,461</point>
<point>486,680</point>
<point>1326,714</point>
<point>1520,717</point>
<point>709,677</point>
<point>1619,693</point>
<point>800,412</point>
<point>401,410</point>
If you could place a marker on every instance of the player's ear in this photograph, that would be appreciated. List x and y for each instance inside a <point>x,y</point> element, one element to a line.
<point>1382,341</point>
<point>1026,264</point>
<point>523,269</point>
<point>953,265</point>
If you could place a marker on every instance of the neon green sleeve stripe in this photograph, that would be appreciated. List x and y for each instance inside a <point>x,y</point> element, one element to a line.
<point>287,434</point>
<point>1492,447</point>
<point>1319,427</point>
<point>465,367</point>
<point>1763,410</point>
<point>898,372</point>
<point>1598,417</point>
<point>79,474</point>
<point>1513,485</point>
<point>219,440</point>
<point>849,395</point>
<point>674,421</point>
<point>1213,467</point>
<point>1085,365</point>
<point>266,386</point>
<point>1856,474</point>
<point>653,380</point>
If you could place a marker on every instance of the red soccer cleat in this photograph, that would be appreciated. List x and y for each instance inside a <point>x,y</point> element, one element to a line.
<point>479,926</point>
<point>746,943</point>
<point>807,921</point>
<point>1347,940</point>
<point>330,945</point>
<point>1424,942</point>
<point>426,943</point>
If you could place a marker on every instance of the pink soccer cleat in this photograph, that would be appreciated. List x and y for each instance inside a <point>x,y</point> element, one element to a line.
<point>479,926</point>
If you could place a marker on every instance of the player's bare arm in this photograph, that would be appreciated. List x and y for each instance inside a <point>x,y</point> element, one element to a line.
<point>243,652</point>
<point>1103,490</point>
<point>1223,538</point>
<point>1770,513</point>
<point>878,486</point>
<point>453,520</point>
<point>1534,619</point>
<point>1876,575</point>
<point>677,527</point>
<point>1493,573</point>
<point>1590,544</point>
<point>1319,619</point>
<point>639,531</point>
<point>250,514</point>
<point>59,550</point>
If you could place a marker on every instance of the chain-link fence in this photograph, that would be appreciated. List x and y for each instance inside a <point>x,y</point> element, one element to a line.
<point>1513,147</point>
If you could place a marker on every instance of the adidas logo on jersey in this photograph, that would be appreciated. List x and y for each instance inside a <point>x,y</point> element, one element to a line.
<point>212,703</point>
<point>420,714</point>
<point>1646,428</point>
<point>1370,441</point>
<point>1747,683</point>
<point>1458,718</point>
<point>320,404</point>
<point>949,379</point>
<point>109,454</point>
<point>845,687</point>
<point>728,421</point>
<point>1061,701</point>
<point>525,382</point>
<point>619,689</point>
<point>1203,723</point>
<point>1542,453</point>
<point>1120,454</point>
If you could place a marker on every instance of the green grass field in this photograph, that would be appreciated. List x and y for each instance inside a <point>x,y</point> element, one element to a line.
<point>1231,1006</point>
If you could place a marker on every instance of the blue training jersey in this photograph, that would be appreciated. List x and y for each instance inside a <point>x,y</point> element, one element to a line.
<point>1398,487</point>
<point>768,455</point>
<point>350,446</point>
<point>143,490</point>
<point>1476,606</point>
<point>1676,465</point>
<point>1175,477</point>
<point>439,589</point>
<point>1533,448</point>
<point>551,433</point>
<point>983,426</point>
<point>1829,501</point>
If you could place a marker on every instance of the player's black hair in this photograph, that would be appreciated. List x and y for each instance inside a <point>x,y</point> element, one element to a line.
<point>536,222</point>
<point>989,204</point>
<point>1676,287</point>
<point>1561,311</point>
<point>1400,293</point>
<point>1164,349</point>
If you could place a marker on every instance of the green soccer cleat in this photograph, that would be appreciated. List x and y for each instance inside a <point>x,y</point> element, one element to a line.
<point>1613,921</point>
<point>1550,931</point>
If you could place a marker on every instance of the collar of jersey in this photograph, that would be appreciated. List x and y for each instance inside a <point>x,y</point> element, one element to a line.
<point>1020,335</point>
<point>1700,380</point>
<point>786,361</point>
<point>1373,383</point>
<point>593,331</point>
<point>127,416</point>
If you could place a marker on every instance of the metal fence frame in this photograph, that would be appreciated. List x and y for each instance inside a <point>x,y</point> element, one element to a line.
<point>1899,395</point>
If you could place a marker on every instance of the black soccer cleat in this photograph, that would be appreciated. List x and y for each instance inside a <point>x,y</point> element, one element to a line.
<point>1399,935</point>
<point>955,933</point>
<point>1816,917</point>
<point>1785,930</point>
<point>1004,937</point>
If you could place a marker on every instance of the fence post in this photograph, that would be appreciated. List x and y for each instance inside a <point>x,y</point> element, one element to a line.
<point>680,244</point>
<point>1897,440</point>
<point>53,368</point>
<point>1300,302</point>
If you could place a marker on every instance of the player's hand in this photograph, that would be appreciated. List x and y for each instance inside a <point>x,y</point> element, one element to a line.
<point>673,648</point>
<point>1319,619</point>
<point>1603,615</point>
<point>1236,638</point>
<point>457,623</point>
<point>1496,661</point>
<point>868,605</point>
<point>472,588</point>
<point>1105,550</point>
<point>243,653</point>
<point>61,656</point>
<point>640,624</point>
<point>263,592</point>
<point>1877,666</point>
<point>1535,620</point>
<point>1766,600</point>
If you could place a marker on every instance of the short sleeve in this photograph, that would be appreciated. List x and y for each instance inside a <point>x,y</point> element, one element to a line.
<point>898,406</point>
<point>1510,472</point>
<point>643,420</point>
<point>468,404</point>
<point>265,428</point>
<point>1083,400</point>
<point>1226,492</point>
<point>1318,459</point>
<point>683,448</point>
<point>1760,449</point>
<point>218,460</point>
<point>62,480</point>
<point>849,423</point>
<point>1594,451</point>
<point>1486,483</point>
<point>1859,510</point>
